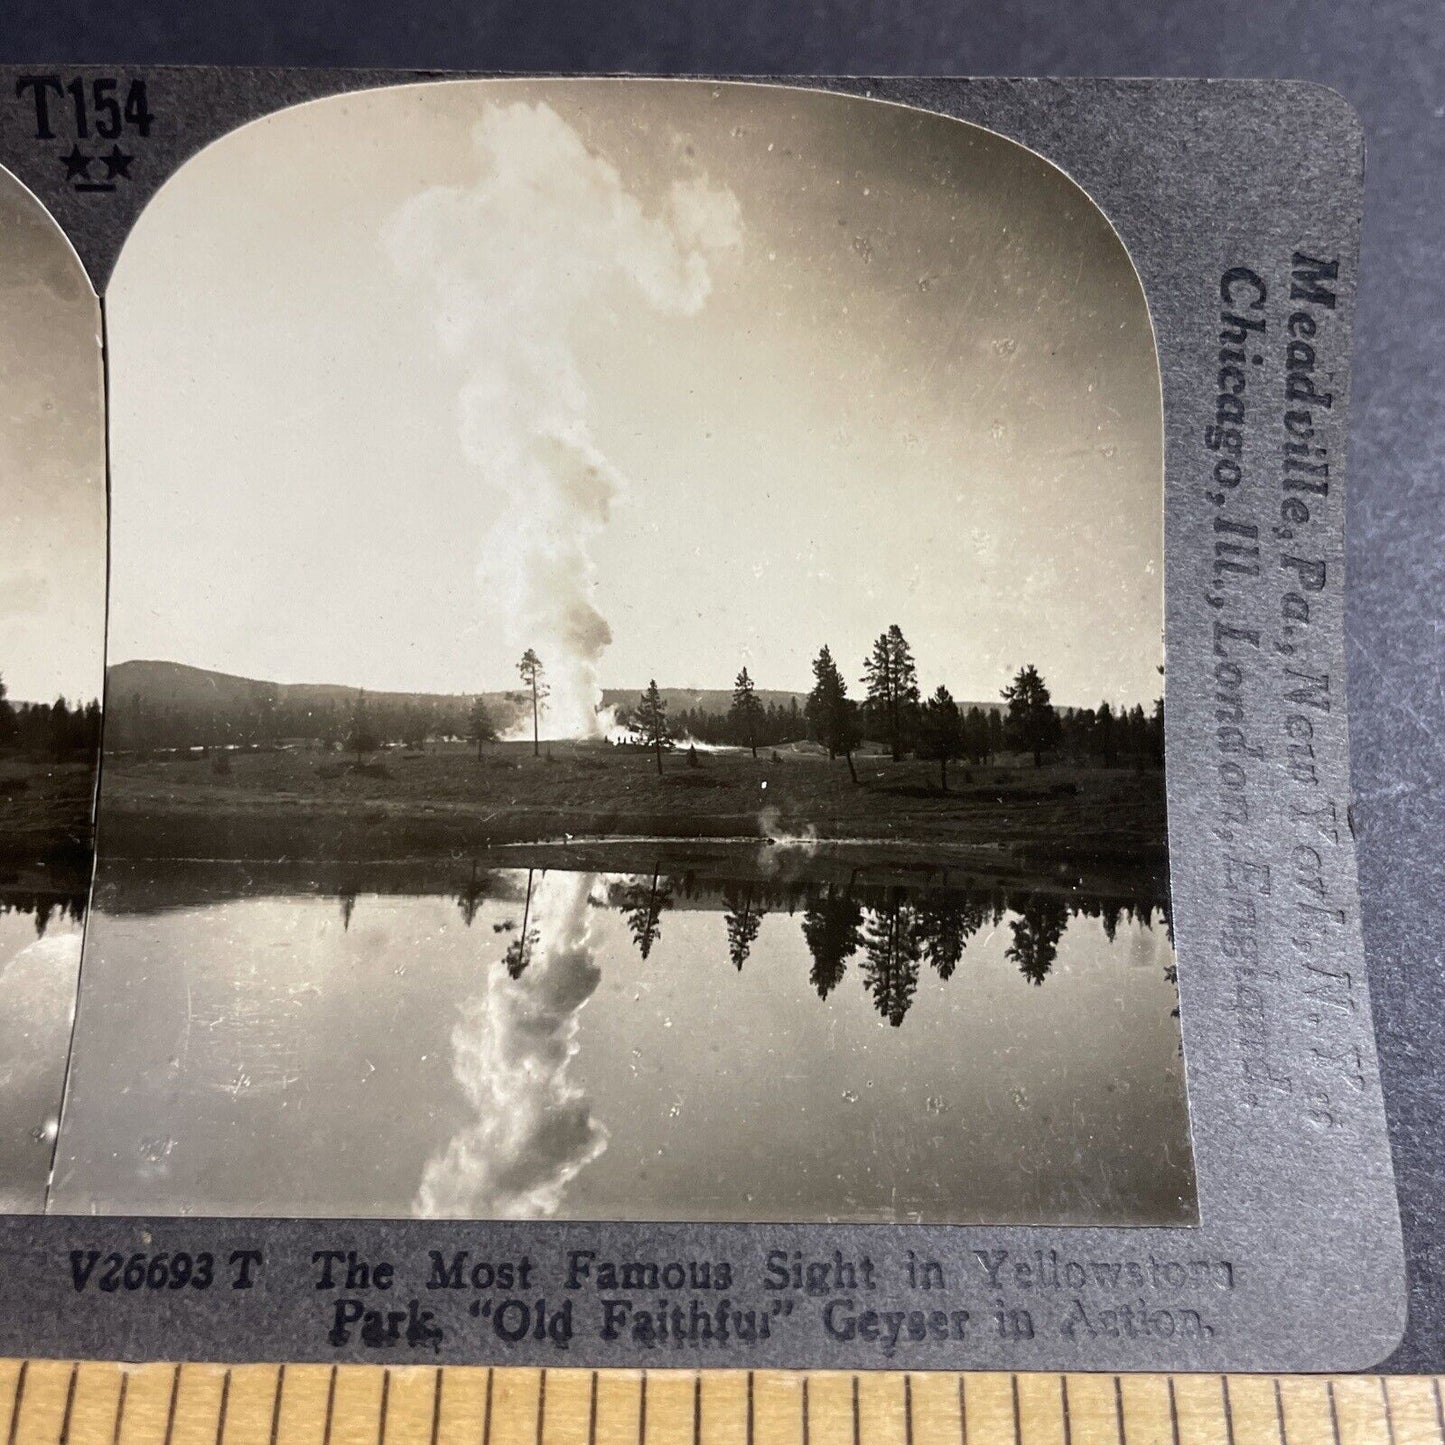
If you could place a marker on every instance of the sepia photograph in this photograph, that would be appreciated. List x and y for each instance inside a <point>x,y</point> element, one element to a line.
<point>634,677</point>
<point>52,651</point>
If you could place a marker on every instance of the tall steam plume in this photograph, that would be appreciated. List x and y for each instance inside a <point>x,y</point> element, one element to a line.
<point>534,1131</point>
<point>506,263</point>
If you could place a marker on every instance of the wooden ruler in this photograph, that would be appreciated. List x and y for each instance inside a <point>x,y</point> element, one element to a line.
<point>48,1402</point>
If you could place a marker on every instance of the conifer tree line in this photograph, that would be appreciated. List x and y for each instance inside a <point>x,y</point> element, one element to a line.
<point>40,729</point>
<point>886,935</point>
<point>888,711</point>
<point>892,712</point>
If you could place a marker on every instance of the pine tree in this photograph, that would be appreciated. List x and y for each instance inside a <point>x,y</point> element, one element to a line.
<point>833,930</point>
<point>1036,933</point>
<point>892,950</point>
<point>944,926</point>
<point>1032,725</point>
<point>975,733</point>
<point>642,906</point>
<point>941,731</point>
<point>878,685</point>
<point>1138,734</point>
<point>518,953</point>
<point>891,677</point>
<point>830,713</point>
<point>995,733</point>
<point>1104,735</point>
<point>650,727</point>
<point>746,713</point>
<point>534,675</point>
<point>470,899</point>
<point>743,919</point>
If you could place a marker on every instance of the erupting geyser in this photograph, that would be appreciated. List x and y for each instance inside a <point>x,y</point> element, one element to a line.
<point>507,262</point>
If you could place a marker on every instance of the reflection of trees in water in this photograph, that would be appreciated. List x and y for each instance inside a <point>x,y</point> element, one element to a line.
<point>475,892</point>
<point>642,902</point>
<point>896,927</point>
<point>44,907</point>
<point>899,928</point>
<point>483,885</point>
<point>946,924</point>
<point>833,929</point>
<point>519,951</point>
<point>743,919</point>
<point>892,946</point>
<point>1037,930</point>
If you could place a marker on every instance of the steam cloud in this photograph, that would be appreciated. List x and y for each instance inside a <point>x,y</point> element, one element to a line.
<point>534,1131</point>
<point>506,263</point>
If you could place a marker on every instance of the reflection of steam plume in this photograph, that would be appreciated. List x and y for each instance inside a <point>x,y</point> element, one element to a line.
<point>534,1130</point>
<point>508,262</point>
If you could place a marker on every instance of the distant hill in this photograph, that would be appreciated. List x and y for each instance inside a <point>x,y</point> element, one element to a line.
<point>179,685</point>
<point>176,687</point>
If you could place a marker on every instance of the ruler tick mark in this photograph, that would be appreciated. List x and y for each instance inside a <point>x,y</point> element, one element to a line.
<point>487,1413</point>
<point>276,1403</point>
<point>1173,1410</point>
<point>19,1396</point>
<point>120,1407</point>
<point>1064,1408</point>
<point>436,1408</point>
<point>1279,1414</point>
<point>642,1412</point>
<point>1334,1409</point>
<point>592,1412</point>
<point>330,1407</point>
<point>908,1409</point>
<point>171,1407</point>
<point>69,1404</point>
<point>385,1402</point>
<point>1389,1414</point>
<point>225,1405</point>
<point>1119,1410</point>
<point>750,1405</point>
<point>541,1404</point>
<point>697,1408</point>
<point>1228,1408</point>
<point>857,1432</point>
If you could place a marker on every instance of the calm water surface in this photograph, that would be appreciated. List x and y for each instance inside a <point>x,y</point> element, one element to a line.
<point>39,965</point>
<point>593,1045</point>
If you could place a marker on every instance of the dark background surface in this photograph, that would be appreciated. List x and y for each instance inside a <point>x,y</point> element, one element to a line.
<point>1387,58</point>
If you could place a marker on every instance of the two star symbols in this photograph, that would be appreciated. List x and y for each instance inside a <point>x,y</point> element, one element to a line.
<point>116,162</point>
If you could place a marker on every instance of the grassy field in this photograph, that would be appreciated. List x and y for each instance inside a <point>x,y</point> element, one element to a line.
<point>44,817</point>
<point>446,801</point>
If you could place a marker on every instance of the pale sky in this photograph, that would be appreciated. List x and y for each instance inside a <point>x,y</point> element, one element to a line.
<point>403,380</point>
<point>52,460</point>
